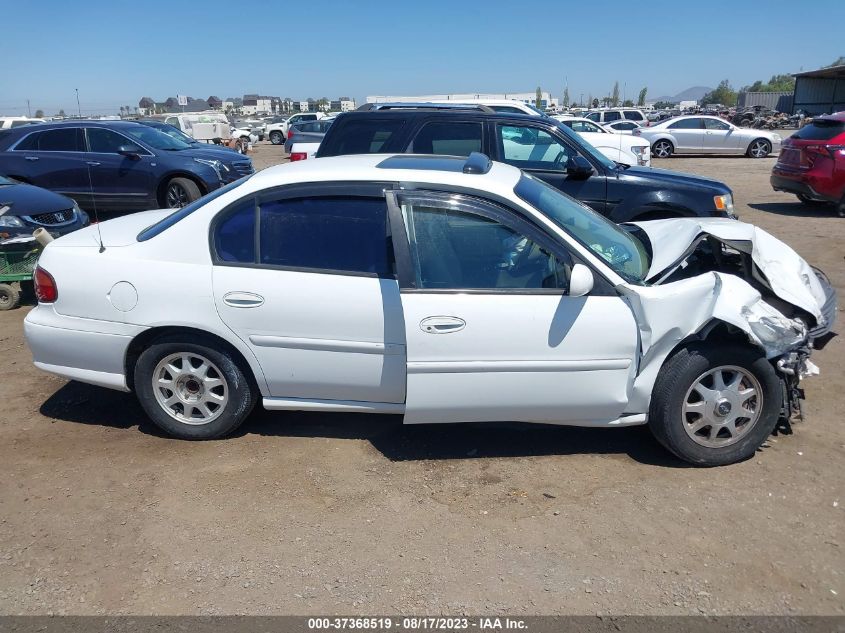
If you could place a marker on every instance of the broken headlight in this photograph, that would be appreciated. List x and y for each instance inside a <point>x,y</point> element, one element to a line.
<point>777,333</point>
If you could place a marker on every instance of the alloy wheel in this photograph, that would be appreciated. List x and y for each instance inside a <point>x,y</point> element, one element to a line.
<point>662,149</point>
<point>759,149</point>
<point>190,388</point>
<point>722,406</point>
<point>177,197</point>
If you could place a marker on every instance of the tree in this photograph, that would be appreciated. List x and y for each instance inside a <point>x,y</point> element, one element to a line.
<point>595,103</point>
<point>614,99</point>
<point>62,113</point>
<point>664,105</point>
<point>778,83</point>
<point>121,111</point>
<point>565,97</point>
<point>590,101</point>
<point>538,98</point>
<point>641,97</point>
<point>627,103</point>
<point>606,101</point>
<point>39,114</point>
<point>724,94</point>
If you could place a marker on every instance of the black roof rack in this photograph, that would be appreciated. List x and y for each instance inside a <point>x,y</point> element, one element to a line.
<point>369,107</point>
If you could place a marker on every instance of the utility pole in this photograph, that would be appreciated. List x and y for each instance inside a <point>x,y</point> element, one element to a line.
<point>78,107</point>
<point>28,109</point>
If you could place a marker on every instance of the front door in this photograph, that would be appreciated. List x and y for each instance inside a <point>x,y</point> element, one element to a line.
<point>54,159</point>
<point>538,152</point>
<point>491,332</point>
<point>120,183</point>
<point>306,281</point>
<point>720,137</point>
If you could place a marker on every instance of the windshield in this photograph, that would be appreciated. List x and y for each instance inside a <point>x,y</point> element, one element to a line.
<point>176,133</point>
<point>582,144</point>
<point>624,253</point>
<point>156,138</point>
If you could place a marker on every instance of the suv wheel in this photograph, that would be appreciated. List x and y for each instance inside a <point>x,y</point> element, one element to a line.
<point>715,405</point>
<point>192,391</point>
<point>276,137</point>
<point>662,149</point>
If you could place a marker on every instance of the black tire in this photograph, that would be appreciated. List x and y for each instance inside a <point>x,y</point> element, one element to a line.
<point>658,151</point>
<point>239,390</point>
<point>10,297</point>
<point>812,202</point>
<point>276,137</point>
<point>667,420</point>
<point>180,191</point>
<point>840,208</point>
<point>750,152</point>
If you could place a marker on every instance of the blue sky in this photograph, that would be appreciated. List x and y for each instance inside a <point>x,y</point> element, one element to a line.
<point>118,51</point>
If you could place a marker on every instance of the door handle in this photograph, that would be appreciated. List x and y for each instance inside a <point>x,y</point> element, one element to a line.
<point>243,300</point>
<point>442,324</point>
<point>93,163</point>
<point>33,158</point>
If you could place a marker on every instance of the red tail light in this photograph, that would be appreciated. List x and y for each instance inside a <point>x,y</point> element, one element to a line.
<point>45,286</point>
<point>828,151</point>
<point>298,156</point>
<point>290,133</point>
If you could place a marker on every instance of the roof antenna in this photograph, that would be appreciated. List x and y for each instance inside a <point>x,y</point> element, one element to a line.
<point>89,164</point>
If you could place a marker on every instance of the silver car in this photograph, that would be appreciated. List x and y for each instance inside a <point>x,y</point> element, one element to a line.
<point>707,135</point>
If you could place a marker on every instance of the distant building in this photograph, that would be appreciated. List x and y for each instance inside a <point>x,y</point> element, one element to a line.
<point>546,99</point>
<point>820,91</point>
<point>214,102</point>
<point>344,104</point>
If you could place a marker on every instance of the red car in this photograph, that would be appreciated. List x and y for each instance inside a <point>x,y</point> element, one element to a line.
<point>812,162</point>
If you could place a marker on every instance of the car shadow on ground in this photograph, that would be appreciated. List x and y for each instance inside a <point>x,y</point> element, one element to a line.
<point>85,404</point>
<point>795,209</point>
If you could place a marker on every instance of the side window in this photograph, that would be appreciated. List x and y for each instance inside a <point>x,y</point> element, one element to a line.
<point>309,117</point>
<point>506,109</point>
<point>593,116</point>
<point>532,148</point>
<point>611,116</point>
<point>633,115</point>
<point>456,247</point>
<point>172,120</point>
<point>103,141</point>
<point>234,236</point>
<point>327,233</point>
<point>714,124</point>
<point>583,126</point>
<point>65,139</point>
<point>368,136</point>
<point>446,137</point>
<point>686,124</point>
<point>29,143</point>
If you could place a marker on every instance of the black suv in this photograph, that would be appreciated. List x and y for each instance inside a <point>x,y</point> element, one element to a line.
<point>538,145</point>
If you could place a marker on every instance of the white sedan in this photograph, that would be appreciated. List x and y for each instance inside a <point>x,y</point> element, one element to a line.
<point>618,148</point>
<point>707,135</point>
<point>445,289</point>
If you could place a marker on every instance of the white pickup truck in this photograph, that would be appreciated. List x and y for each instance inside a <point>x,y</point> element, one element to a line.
<point>278,132</point>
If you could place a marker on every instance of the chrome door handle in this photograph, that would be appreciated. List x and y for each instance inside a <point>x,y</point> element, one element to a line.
<point>442,324</point>
<point>243,300</point>
<point>31,158</point>
<point>93,163</point>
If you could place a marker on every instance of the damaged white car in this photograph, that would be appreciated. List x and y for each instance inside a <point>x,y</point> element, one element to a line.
<point>443,289</point>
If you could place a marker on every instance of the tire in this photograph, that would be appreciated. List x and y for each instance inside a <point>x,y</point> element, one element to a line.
<point>662,149</point>
<point>10,297</point>
<point>179,192</point>
<point>675,404</point>
<point>276,137</point>
<point>759,148</point>
<point>208,400</point>
<point>840,208</point>
<point>811,201</point>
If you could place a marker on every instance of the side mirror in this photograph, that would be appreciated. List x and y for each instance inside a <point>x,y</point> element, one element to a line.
<point>579,167</point>
<point>130,151</point>
<point>581,281</point>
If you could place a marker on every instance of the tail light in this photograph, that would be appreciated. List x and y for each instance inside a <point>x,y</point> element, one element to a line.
<point>828,151</point>
<point>298,156</point>
<point>290,133</point>
<point>45,286</point>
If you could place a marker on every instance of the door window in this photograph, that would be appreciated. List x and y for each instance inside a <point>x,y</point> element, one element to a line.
<point>686,124</point>
<point>234,236</point>
<point>532,148</point>
<point>447,137</point>
<point>365,137</point>
<point>103,141</point>
<point>583,126</point>
<point>594,116</point>
<point>456,246</point>
<point>65,139</point>
<point>633,115</point>
<point>611,116</point>
<point>715,124</point>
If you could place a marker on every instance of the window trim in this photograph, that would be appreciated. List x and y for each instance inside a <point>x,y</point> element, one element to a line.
<point>144,151</point>
<point>353,189</point>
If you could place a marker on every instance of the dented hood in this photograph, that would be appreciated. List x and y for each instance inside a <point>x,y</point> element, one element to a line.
<point>789,276</point>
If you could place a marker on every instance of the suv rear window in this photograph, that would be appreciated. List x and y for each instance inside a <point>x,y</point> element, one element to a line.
<point>364,136</point>
<point>820,130</point>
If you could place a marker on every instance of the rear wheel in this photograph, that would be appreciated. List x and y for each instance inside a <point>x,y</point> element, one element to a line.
<point>840,208</point>
<point>179,192</point>
<point>662,149</point>
<point>10,297</point>
<point>192,391</point>
<point>759,148</point>
<point>276,137</point>
<point>715,405</point>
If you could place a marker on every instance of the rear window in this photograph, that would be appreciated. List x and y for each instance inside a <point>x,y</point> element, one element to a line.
<point>820,130</point>
<point>361,136</point>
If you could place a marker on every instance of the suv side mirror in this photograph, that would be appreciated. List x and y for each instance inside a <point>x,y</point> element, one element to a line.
<point>581,281</point>
<point>130,151</point>
<point>579,167</point>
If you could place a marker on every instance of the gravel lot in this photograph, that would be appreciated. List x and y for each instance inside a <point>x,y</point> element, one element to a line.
<point>318,513</point>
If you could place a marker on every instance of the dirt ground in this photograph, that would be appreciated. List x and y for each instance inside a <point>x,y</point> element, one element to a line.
<point>328,513</point>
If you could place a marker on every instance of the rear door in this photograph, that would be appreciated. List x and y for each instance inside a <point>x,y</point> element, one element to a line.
<point>537,151</point>
<point>491,332</point>
<point>688,134</point>
<point>54,159</point>
<point>120,183</point>
<point>304,276</point>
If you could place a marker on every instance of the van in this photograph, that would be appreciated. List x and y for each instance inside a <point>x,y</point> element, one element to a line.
<point>617,114</point>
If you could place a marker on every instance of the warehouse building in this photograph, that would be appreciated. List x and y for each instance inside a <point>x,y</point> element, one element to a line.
<point>820,91</point>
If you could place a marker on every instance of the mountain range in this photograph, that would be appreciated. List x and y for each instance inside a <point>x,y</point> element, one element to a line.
<point>696,93</point>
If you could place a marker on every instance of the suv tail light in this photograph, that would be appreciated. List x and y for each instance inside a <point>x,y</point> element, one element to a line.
<point>290,133</point>
<point>45,286</point>
<point>298,156</point>
<point>828,151</point>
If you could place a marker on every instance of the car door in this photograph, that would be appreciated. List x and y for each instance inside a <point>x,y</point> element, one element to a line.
<point>688,135</point>
<point>491,333</point>
<point>54,159</point>
<point>304,276</point>
<point>719,137</point>
<point>120,182</point>
<point>546,156</point>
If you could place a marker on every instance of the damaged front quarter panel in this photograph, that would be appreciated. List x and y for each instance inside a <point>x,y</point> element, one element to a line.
<point>670,313</point>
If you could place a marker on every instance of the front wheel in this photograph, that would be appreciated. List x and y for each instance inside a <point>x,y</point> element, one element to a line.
<point>276,137</point>
<point>192,391</point>
<point>181,191</point>
<point>10,297</point>
<point>715,405</point>
<point>662,149</point>
<point>759,148</point>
